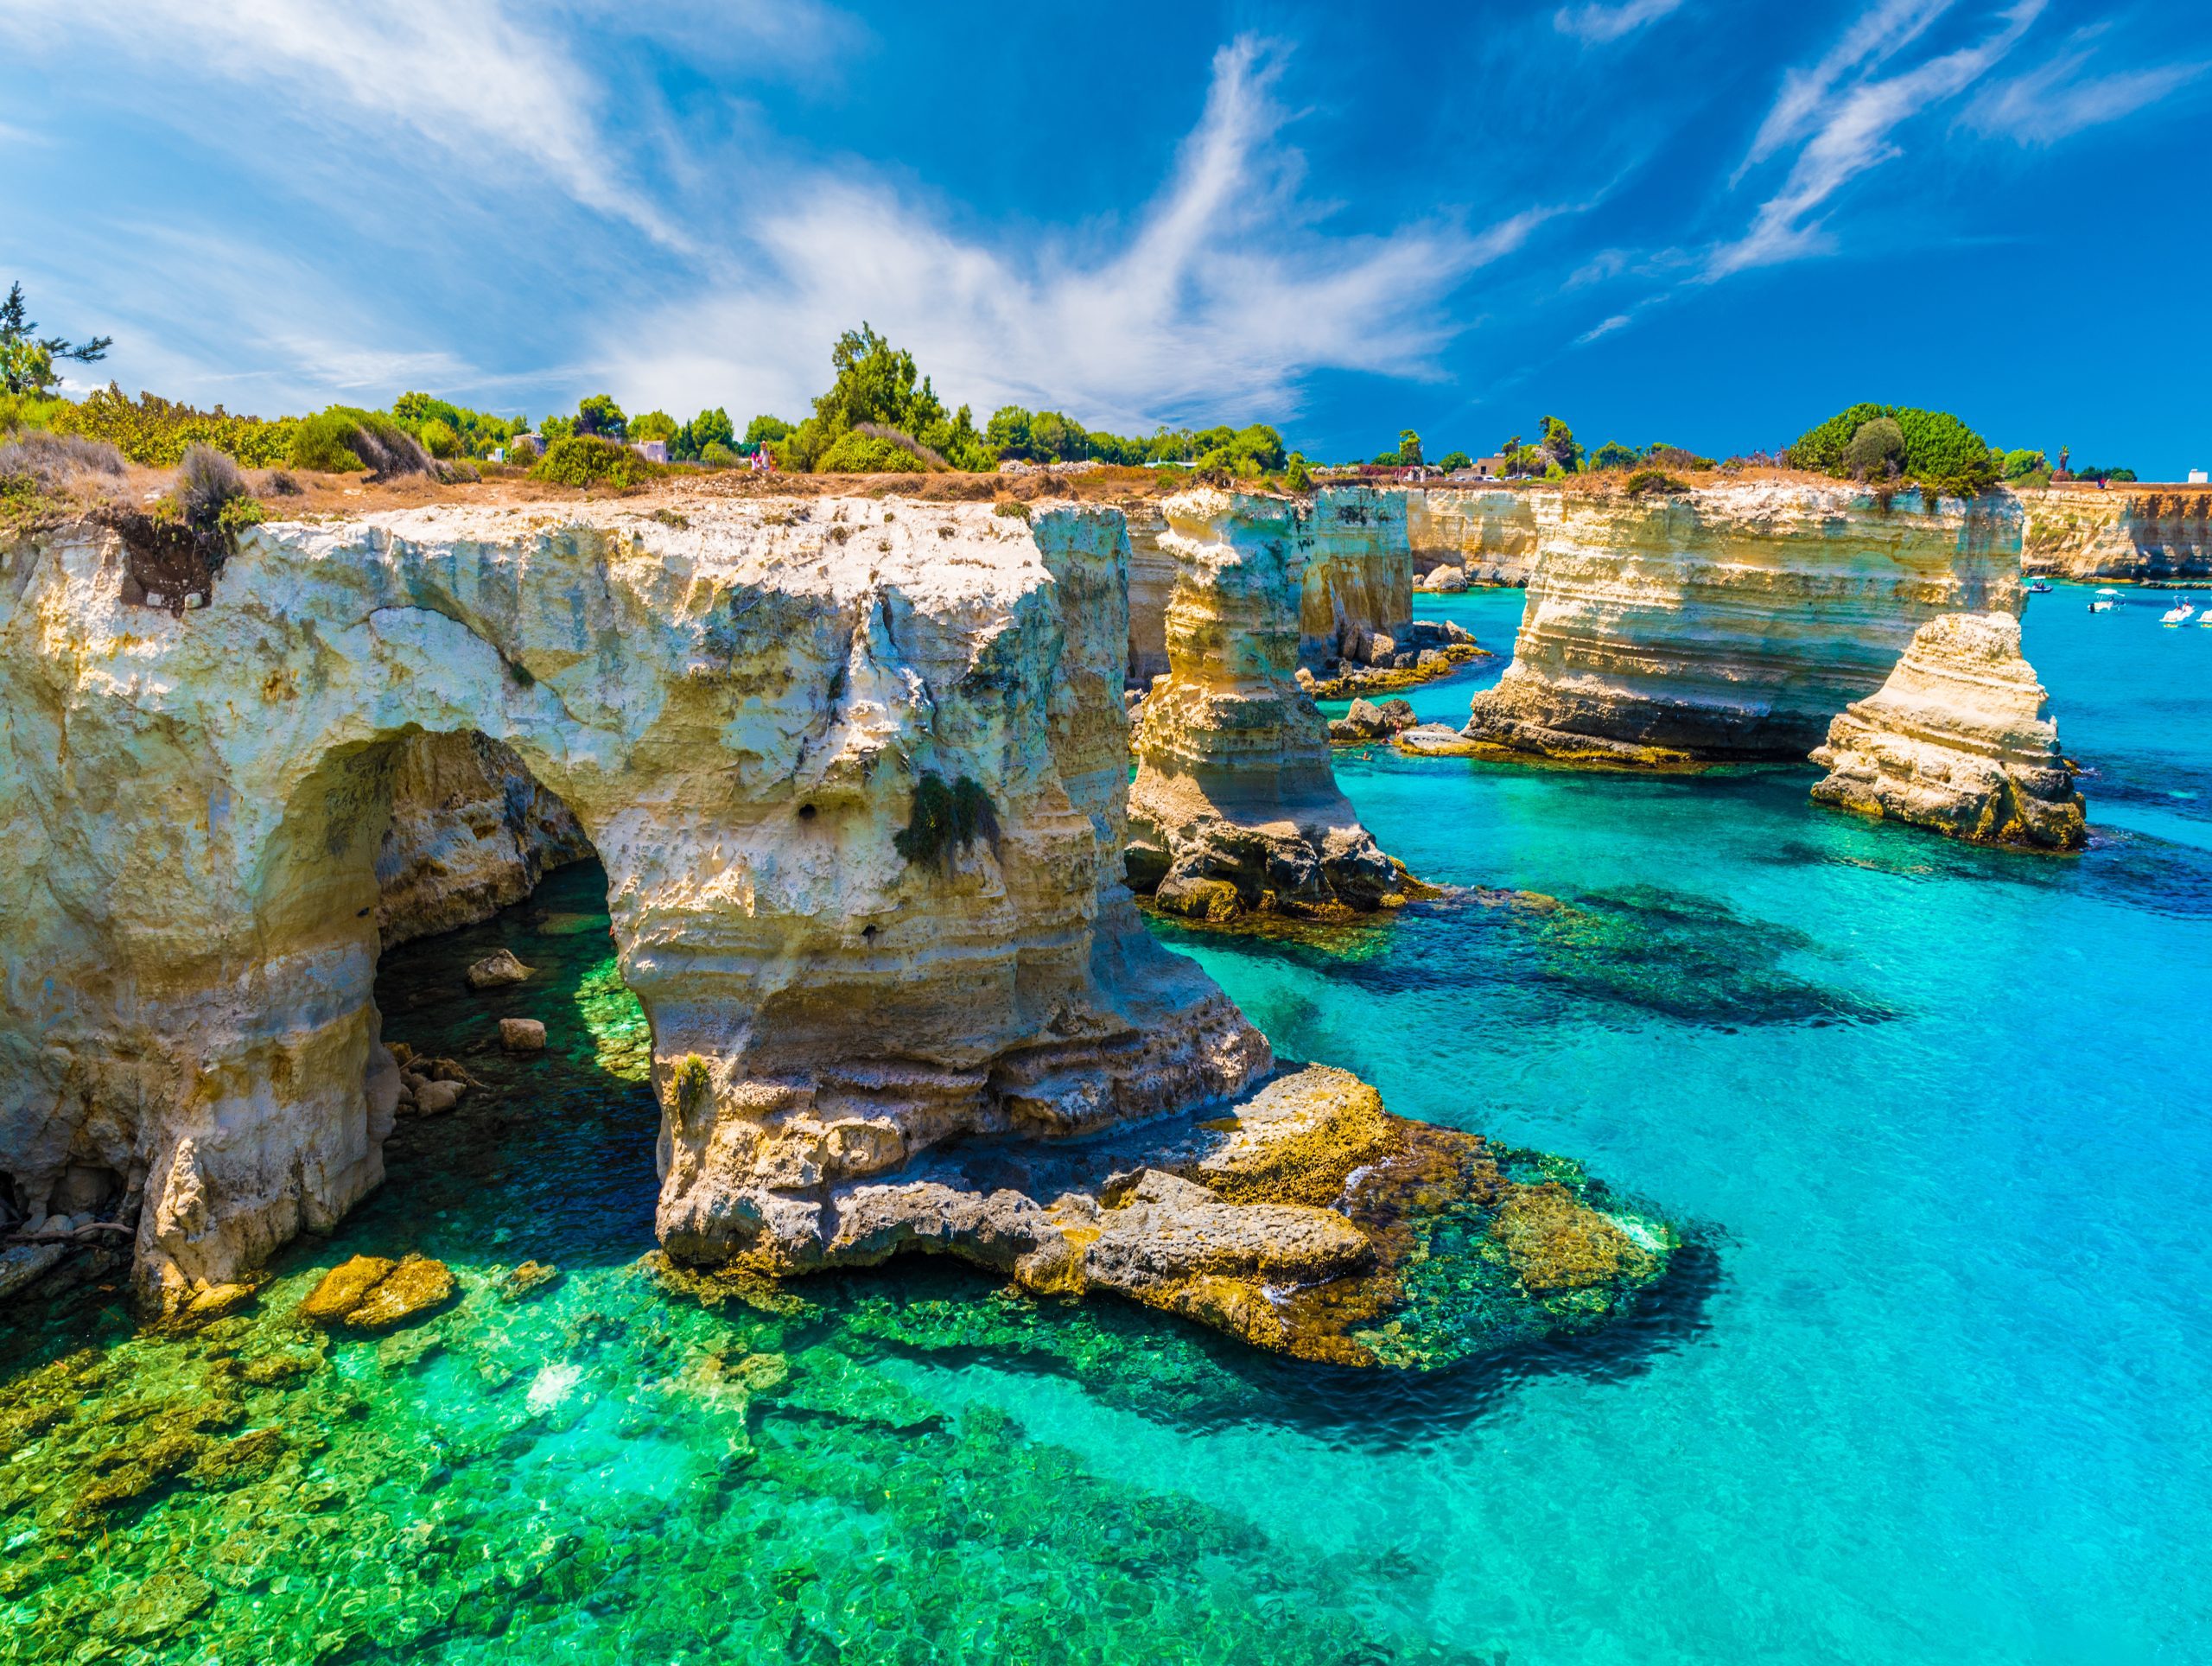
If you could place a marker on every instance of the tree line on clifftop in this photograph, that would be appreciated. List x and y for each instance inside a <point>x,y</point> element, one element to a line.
<point>881,415</point>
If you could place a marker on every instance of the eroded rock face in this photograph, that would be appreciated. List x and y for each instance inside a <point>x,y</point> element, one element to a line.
<point>1490,534</point>
<point>1357,592</point>
<point>754,718</point>
<point>1733,621</point>
<point>1235,807</point>
<point>1959,739</point>
<point>2128,533</point>
<point>472,832</point>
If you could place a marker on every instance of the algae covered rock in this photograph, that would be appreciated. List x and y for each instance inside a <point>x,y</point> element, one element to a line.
<point>370,1292</point>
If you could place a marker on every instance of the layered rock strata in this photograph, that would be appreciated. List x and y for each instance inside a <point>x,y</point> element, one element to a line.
<point>1356,595</point>
<point>1959,739</point>
<point>853,770</point>
<point>472,832</point>
<point>1234,808</point>
<point>1486,535</point>
<point>1733,621</point>
<point>2131,534</point>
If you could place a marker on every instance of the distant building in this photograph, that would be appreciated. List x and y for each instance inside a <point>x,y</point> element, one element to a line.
<point>2197,477</point>
<point>1483,468</point>
<point>654,451</point>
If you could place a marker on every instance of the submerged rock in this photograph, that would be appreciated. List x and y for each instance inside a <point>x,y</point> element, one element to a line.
<point>497,970</point>
<point>1307,1221</point>
<point>522,1034</point>
<point>371,1292</point>
<point>1959,740</point>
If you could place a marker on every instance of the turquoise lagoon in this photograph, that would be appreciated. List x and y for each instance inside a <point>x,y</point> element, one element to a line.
<point>1931,1385</point>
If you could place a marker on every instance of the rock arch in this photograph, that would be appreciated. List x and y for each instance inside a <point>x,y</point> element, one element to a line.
<point>738,708</point>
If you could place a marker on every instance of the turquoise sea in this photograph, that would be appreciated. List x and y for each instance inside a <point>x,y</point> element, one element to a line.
<point>1932,1384</point>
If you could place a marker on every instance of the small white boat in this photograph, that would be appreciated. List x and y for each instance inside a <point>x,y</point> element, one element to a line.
<point>2107,590</point>
<point>2102,606</point>
<point>2180,615</point>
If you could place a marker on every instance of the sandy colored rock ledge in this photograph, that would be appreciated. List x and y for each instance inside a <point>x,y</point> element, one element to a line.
<point>1485,535</point>
<point>1733,621</point>
<point>1959,740</point>
<point>1235,807</point>
<point>1306,1220</point>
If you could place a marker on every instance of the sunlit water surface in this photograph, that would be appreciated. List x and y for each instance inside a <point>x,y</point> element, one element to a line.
<point>1931,1385</point>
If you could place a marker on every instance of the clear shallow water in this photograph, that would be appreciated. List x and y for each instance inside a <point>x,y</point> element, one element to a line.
<point>1933,1387</point>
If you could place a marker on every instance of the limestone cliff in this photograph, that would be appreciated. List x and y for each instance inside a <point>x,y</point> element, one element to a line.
<point>1357,584</point>
<point>1959,739</point>
<point>853,768</point>
<point>1489,533</point>
<point>472,832</point>
<point>1733,621</point>
<point>1235,807</point>
<point>2129,533</point>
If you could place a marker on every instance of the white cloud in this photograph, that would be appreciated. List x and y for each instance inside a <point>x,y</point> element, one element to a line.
<point>1599,23</point>
<point>465,76</point>
<point>2058,99</point>
<point>1877,36</point>
<point>1224,297</point>
<point>1619,320</point>
<point>1847,132</point>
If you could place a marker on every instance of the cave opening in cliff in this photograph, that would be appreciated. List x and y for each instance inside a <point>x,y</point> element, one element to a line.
<point>453,914</point>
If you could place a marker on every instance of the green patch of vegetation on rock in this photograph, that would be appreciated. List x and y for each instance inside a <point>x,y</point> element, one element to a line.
<point>584,460</point>
<point>944,819</point>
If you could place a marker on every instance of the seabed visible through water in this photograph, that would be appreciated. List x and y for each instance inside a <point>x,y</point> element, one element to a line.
<point>1927,1383</point>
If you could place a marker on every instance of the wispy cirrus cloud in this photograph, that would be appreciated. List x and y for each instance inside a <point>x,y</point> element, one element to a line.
<point>1843,129</point>
<point>1228,292</point>
<point>1619,320</point>
<point>2064,95</point>
<point>1599,23</point>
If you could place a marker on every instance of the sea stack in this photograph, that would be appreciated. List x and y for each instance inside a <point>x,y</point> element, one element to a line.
<point>1959,740</point>
<point>1234,808</point>
<point>1732,622</point>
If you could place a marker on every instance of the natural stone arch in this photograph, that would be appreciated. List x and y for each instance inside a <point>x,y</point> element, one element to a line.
<point>740,715</point>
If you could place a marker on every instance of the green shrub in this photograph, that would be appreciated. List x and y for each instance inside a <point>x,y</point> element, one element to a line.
<point>345,439</point>
<point>1614,455</point>
<point>1645,482</point>
<point>2020,463</point>
<point>439,438</point>
<point>1940,451</point>
<point>855,453</point>
<point>1014,508</point>
<point>155,431</point>
<point>587,459</point>
<point>1298,477</point>
<point>692,1083</point>
<point>718,456</point>
<point>943,819</point>
<point>1875,451</point>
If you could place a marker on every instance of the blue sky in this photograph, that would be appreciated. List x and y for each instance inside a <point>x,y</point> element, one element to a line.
<point>1706,222</point>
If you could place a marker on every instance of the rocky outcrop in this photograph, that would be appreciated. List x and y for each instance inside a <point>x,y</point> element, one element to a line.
<point>853,770</point>
<point>472,832</point>
<point>1489,534</point>
<point>1306,1220</point>
<point>1234,808</point>
<point>1356,595</point>
<point>2081,533</point>
<point>1733,621</point>
<point>1959,739</point>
